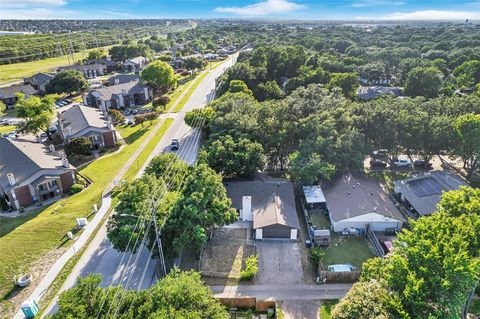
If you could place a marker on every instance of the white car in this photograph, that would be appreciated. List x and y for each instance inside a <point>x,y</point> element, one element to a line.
<point>401,163</point>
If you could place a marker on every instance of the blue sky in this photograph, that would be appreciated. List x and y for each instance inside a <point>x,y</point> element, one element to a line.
<point>294,9</point>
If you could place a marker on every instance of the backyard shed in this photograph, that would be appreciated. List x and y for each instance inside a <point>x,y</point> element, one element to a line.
<point>321,237</point>
<point>358,202</point>
<point>314,196</point>
<point>269,204</point>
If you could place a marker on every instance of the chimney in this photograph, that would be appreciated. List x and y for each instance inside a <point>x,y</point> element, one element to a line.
<point>11,179</point>
<point>69,129</point>
<point>65,162</point>
<point>52,148</point>
<point>61,154</point>
<point>109,123</point>
<point>246,208</point>
<point>39,139</point>
<point>117,81</point>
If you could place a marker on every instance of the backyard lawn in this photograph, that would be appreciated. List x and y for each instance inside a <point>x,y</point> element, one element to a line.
<point>43,230</point>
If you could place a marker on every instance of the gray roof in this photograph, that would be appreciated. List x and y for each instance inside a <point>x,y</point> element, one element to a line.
<point>24,157</point>
<point>81,117</point>
<point>106,93</point>
<point>273,201</point>
<point>423,191</point>
<point>137,60</point>
<point>371,92</point>
<point>106,62</point>
<point>41,78</point>
<point>355,195</point>
<point>123,78</point>
<point>9,91</point>
<point>83,68</point>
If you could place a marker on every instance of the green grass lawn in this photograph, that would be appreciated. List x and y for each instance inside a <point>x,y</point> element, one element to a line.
<point>177,93</point>
<point>143,156</point>
<point>189,93</point>
<point>42,230</point>
<point>17,71</point>
<point>6,129</point>
<point>326,309</point>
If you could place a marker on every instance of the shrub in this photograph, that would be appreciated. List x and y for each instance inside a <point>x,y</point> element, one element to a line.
<point>118,144</point>
<point>76,188</point>
<point>81,181</point>
<point>3,204</point>
<point>316,256</point>
<point>251,268</point>
<point>79,146</point>
<point>117,116</point>
<point>21,209</point>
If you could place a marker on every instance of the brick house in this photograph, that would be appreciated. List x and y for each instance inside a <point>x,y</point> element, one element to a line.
<point>84,121</point>
<point>31,173</point>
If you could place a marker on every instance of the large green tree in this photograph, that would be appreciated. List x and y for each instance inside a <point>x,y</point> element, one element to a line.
<point>37,113</point>
<point>178,295</point>
<point>169,167</point>
<point>160,75</point>
<point>67,81</point>
<point>467,146</point>
<point>423,81</point>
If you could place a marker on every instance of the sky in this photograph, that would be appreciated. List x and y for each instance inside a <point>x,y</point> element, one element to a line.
<point>271,9</point>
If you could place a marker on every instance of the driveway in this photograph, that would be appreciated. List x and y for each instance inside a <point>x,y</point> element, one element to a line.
<point>279,263</point>
<point>300,309</point>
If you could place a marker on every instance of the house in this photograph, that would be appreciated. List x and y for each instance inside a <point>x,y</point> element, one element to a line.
<point>314,197</point>
<point>123,78</point>
<point>210,56</point>
<point>269,204</point>
<point>90,71</point>
<point>357,202</point>
<point>421,193</point>
<point>7,94</point>
<point>39,81</point>
<point>84,121</point>
<point>223,52</point>
<point>31,173</point>
<point>372,92</point>
<point>110,65</point>
<point>135,64</point>
<point>321,237</point>
<point>118,96</point>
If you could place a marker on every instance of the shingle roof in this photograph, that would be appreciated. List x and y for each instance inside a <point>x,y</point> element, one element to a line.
<point>427,204</point>
<point>106,93</point>
<point>356,195</point>
<point>42,77</point>
<point>83,68</point>
<point>371,92</point>
<point>273,201</point>
<point>81,117</point>
<point>123,78</point>
<point>9,91</point>
<point>24,157</point>
<point>137,60</point>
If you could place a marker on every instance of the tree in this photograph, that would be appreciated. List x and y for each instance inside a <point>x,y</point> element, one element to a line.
<point>348,82</point>
<point>67,81</point>
<point>200,117</point>
<point>269,91</point>
<point>80,146</point>
<point>465,200</point>
<point>468,74</point>
<point>37,114</point>
<point>96,54</point>
<point>3,107</point>
<point>423,81</point>
<point>128,51</point>
<point>137,202</point>
<point>193,64</point>
<point>203,204</point>
<point>368,300</point>
<point>168,167</point>
<point>160,75</point>
<point>117,116</point>
<point>235,156</point>
<point>178,295</point>
<point>467,129</point>
<point>238,86</point>
<point>309,169</point>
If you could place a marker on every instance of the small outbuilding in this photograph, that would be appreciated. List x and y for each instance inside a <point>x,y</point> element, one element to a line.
<point>356,202</point>
<point>314,197</point>
<point>269,204</point>
<point>321,237</point>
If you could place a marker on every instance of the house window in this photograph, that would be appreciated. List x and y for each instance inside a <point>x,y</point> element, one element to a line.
<point>41,187</point>
<point>52,183</point>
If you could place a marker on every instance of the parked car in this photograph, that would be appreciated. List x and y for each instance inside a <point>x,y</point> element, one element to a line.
<point>68,101</point>
<point>134,112</point>
<point>377,163</point>
<point>3,122</point>
<point>400,162</point>
<point>422,164</point>
<point>175,145</point>
<point>52,129</point>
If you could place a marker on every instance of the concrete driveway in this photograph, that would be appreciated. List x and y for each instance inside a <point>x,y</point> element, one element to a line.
<point>300,309</point>
<point>279,263</point>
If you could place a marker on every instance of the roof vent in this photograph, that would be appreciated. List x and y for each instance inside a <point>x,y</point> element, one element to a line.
<point>65,162</point>
<point>52,148</point>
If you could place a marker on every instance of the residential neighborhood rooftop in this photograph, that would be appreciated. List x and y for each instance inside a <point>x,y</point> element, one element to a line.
<point>81,117</point>
<point>314,194</point>
<point>106,93</point>
<point>9,91</point>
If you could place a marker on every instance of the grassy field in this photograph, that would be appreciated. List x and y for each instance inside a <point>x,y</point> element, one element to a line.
<point>43,230</point>
<point>6,129</point>
<point>17,71</point>
<point>143,156</point>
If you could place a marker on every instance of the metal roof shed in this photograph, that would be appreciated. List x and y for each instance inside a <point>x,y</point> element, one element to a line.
<point>314,196</point>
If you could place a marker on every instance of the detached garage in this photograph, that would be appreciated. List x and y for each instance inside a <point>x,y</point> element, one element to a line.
<point>269,204</point>
<point>359,202</point>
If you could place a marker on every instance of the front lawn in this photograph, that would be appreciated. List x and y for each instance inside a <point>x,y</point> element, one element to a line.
<point>43,230</point>
<point>6,129</point>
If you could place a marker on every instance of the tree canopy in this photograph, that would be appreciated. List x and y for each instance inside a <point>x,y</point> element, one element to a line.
<point>67,81</point>
<point>160,75</point>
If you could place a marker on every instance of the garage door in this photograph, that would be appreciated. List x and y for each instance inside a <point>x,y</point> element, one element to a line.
<point>276,232</point>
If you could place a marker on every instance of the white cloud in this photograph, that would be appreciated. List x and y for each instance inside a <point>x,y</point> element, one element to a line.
<point>263,8</point>
<point>38,13</point>
<point>371,3</point>
<point>426,15</point>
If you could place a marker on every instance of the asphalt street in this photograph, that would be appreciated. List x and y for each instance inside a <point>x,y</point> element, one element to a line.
<point>137,271</point>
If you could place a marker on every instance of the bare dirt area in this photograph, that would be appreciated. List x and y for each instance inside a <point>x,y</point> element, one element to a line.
<point>222,258</point>
<point>306,309</point>
<point>12,301</point>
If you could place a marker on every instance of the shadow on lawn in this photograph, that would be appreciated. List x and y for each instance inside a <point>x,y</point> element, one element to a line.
<point>9,224</point>
<point>135,136</point>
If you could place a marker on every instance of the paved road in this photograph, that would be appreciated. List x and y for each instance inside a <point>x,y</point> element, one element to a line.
<point>100,257</point>
<point>283,292</point>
